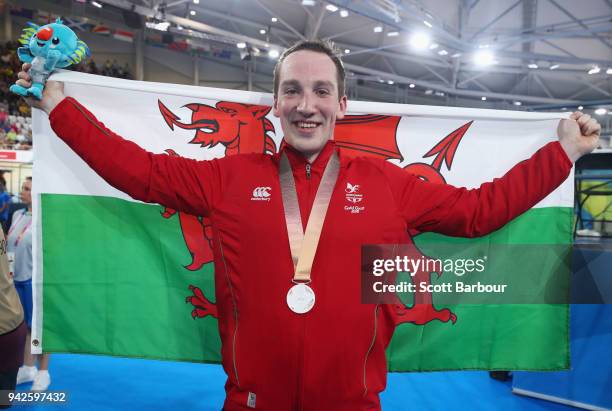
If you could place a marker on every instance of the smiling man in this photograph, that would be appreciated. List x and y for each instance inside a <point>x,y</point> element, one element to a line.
<point>294,334</point>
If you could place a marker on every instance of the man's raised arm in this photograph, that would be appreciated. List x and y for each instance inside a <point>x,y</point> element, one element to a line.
<point>476,212</point>
<point>179,183</point>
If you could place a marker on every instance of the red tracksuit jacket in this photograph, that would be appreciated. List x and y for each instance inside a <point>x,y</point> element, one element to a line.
<point>333,357</point>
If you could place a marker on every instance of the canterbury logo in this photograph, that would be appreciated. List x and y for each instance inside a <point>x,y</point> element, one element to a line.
<point>261,194</point>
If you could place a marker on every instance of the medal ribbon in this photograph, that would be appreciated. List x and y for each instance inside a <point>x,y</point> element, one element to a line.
<point>304,245</point>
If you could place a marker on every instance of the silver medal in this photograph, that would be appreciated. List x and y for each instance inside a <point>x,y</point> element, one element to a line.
<point>300,298</point>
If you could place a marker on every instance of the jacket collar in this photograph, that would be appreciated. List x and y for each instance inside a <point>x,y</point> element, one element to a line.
<point>297,160</point>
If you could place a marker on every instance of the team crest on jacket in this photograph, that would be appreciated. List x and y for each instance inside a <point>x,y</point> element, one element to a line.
<point>352,193</point>
<point>353,196</point>
<point>244,128</point>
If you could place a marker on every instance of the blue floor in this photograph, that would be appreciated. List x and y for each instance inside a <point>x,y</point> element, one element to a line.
<point>105,383</point>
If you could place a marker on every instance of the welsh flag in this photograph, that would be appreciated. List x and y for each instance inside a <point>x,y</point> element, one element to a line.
<point>118,277</point>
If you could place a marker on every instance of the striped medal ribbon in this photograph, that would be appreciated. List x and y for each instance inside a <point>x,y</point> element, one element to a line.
<point>301,298</point>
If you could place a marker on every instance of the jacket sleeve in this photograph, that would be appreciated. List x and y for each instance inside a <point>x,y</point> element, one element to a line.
<point>462,212</point>
<point>179,183</point>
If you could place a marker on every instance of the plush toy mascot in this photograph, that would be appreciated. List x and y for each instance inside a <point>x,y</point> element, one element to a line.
<point>48,47</point>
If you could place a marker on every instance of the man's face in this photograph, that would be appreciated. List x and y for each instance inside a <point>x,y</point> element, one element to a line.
<point>307,101</point>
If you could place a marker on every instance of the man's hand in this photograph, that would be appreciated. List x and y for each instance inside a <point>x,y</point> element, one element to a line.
<point>53,92</point>
<point>579,135</point>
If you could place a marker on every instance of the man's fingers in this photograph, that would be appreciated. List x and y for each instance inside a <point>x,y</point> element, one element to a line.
<point>24,83</point>
<point>25,66</point>
<point>591,128</point>
<point>583,119</point>
<point>23,75</point>
<point>575,115</point>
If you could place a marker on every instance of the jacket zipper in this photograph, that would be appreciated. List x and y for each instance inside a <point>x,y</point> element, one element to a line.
<point>300,379</point>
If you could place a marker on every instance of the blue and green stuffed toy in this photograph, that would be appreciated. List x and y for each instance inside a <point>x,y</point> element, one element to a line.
<point>48,47</point>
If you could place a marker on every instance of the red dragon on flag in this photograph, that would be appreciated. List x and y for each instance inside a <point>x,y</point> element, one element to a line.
<point>244,128</point>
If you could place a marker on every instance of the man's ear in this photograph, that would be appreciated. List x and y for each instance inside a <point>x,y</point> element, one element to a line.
<point>342,108</point>
<point>275,107</point>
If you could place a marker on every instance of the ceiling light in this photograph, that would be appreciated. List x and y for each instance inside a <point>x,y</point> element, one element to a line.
<point>262,31</point>
<point>95,3</point>
<point>308,2</point>
<point>393,34</point>
<point>420,41</point>
<point>196,1</point>
<point>456,55</point>
<point>439,94</point>
<point>594,70</point>
<point>532,66</point>
<point>381,80</point>
<point>483,98</point>
<point>411,85</point>
<point>344,13</point>
<point>609,70</point>
<point>192,12</point>
<point>580,107</point>
<point>554,67</point>
<point>274,19</point>
<point>391,82</point>
<point>331,7</point>
<point>347,51</point>
<point>443,52</point>
<point>433,46</point>
<point>517,103</point>
<point>428,24</point>
<point>378,29</point>
<point>273,53</point>
<point>601,111</point>
<point>428,92</point>
<point>484,58</point>
<point>241,45</point>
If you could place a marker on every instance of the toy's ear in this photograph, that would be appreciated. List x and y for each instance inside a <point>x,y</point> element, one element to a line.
<point>24,54</point>
<point>27,33</point>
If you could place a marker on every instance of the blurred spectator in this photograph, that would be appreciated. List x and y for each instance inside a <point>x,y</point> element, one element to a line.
<point>19,247</point>
<point>5,202</point>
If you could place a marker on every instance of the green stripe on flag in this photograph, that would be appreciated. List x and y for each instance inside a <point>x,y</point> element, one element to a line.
<point>503,337</point>
<point>129,303</point>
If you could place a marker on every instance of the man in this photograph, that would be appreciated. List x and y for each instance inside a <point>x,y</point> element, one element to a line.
<point>294,334</point>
